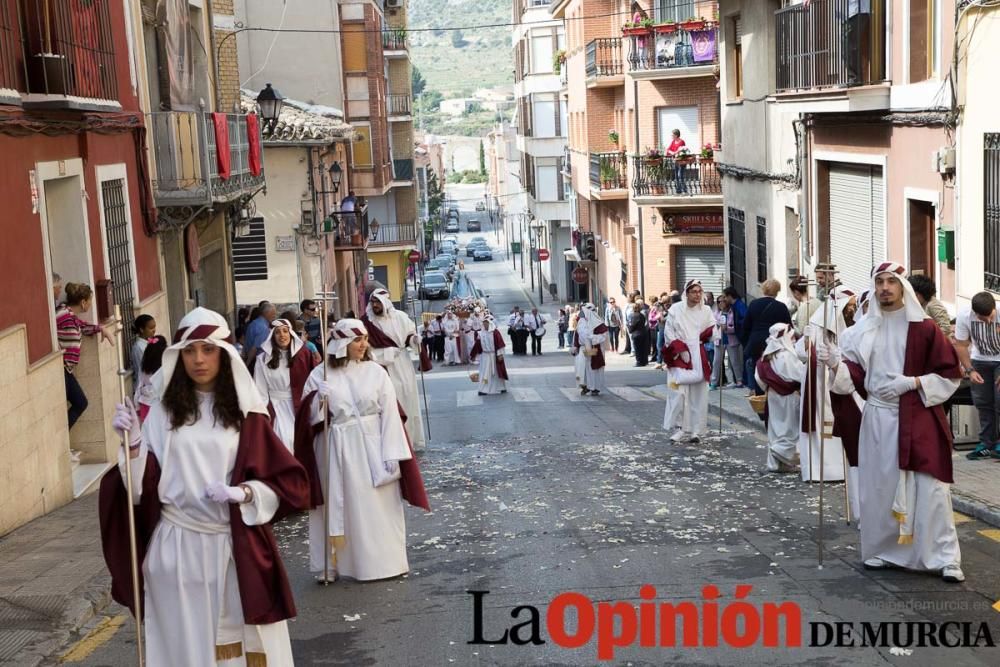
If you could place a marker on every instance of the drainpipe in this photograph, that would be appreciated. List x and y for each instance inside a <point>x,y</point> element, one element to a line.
<point>209,6</point>
<point>642,261</point>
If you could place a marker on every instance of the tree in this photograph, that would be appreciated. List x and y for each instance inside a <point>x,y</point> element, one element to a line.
<point>457,40</point>
<point>482,158</point>
<point>418,83</point>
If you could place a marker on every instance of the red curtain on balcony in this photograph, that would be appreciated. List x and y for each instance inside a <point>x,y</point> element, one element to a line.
<point>253,139</point>
<point>84,41</point>
<point>221,124</point>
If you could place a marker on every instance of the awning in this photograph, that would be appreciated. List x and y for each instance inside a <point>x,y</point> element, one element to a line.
<point>572,255</point>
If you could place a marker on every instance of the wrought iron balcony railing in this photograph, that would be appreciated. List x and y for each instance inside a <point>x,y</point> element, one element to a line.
<point>830,44</point>
<point>350,228</point>
<point>674,177</point>
<point>402,170</point>
<point>673,46</point>
<point>604,57</point>
<point>400,105</point>
<point>394,40</point>
<point>397,234</point>
<point>608,171</point>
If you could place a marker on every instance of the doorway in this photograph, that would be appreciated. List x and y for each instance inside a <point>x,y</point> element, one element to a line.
<point>921,216</point>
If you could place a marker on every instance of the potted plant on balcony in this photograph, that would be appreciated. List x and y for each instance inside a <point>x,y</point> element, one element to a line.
<point>613,137</point>
<point>652,156</point>
<point>655,174</point>
<point>558,60</point>
<point>637,28</point>
<point>609,174</point>
<point>693,23</point>
<point>684,156</point>
<point>708,153</point>
<point>666,27</point>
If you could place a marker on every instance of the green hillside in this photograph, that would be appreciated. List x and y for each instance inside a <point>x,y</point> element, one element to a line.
<point>456,65</point>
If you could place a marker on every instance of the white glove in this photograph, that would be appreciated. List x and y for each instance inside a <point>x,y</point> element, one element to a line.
<point>828,353</point>
<point>900,384</point>
<point>220,493</point>
<point>324,388</point>
<point>391,467</point>
<point>126,419</point>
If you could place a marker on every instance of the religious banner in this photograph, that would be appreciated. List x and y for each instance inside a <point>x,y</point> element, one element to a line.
<point>253,139</point>
<point>221,124</point>
<point>703,45</point>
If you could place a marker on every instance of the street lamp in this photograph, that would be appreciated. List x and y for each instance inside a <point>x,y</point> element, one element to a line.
<point>336,175</point>
<point>269,100</point>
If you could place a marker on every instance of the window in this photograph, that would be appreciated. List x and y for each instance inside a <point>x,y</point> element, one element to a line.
<point>737,250</point>
<point>684,119</point>
<point>761,249</point>
<point>922,37</point>
<point>736,58</point>
<point>541,53</point>
<point>543,116</point>
<point>361,149</point>
<point>116,234</point>
<point>355,48</point>
<point>548,183</point>
<point>991,244</point>
<point>250,253</point>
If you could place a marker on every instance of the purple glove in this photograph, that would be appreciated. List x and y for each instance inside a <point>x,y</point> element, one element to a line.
<point>220,493</point>
<point>126,420</point>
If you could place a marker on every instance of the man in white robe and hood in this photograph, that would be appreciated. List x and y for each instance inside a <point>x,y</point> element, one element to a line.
<point>908,369</point>
<point>593,341</point>
<point>689,325</point>
<point>488,349</point>
<point>452,328</point>
<point>391,335</point>
<point>780,372</point>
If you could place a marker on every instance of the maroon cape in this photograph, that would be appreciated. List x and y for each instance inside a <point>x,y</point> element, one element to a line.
<point>775,382</point>
<point>498,344</point>
<point>924,434</point>
<point>379,339</point>
<point>846,413</point>
<point>302,365</point>
<point>597,361</point>
<point>411,483</point>
<point>672,352</point>
<point>264,591</point>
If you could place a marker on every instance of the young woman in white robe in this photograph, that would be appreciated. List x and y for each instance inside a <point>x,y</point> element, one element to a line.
<point>489,347</point>
<point>208,431</point>
<point>784,421</point>
<point>283,364</point>
<point>366,532</point>
<point>594,343</point>
<point>452,339</point>
<point>580,360</point>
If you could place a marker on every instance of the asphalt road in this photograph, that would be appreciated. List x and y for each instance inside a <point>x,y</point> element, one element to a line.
<point>540,492</point>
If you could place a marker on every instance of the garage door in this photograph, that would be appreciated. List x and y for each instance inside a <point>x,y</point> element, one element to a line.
<point>857,223</point>
<point>706,264</point>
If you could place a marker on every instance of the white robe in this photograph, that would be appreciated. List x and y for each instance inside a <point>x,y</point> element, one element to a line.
<point>811,451</point>
<point>489,381</point>
<point>686,407</point>
<point>935,541</point>
<point>192,596</point>
<point>274,385</point>
<point>365,432</point>
<point>397,361</point>
<point>593,379</point>
<point>452,330</point>
<point>471,327</point>
<point>783,417</point>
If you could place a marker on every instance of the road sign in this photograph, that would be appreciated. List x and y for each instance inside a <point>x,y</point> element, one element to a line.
<point>414,256</point>
<point>515,247</point>
<point>543,254</point>
<point>580,275</point>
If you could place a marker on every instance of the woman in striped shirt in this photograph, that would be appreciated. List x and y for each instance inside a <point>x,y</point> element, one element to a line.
<point>70,330</point>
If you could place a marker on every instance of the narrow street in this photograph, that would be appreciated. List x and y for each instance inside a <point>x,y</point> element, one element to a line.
<point>541,492</point>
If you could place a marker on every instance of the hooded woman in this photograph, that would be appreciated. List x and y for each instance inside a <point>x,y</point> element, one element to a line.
<point>358,470</point>
<point>209,475</point>
<point>593,340</point>
<point>780,373</point>
<point>282,368</point>
<point>488,348</point>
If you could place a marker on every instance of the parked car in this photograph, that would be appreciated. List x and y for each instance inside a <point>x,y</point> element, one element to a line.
<point>442,264</point>
<point>483,254</point>
<point>451,226</point>
<point>435,286</point>
<point>453,212</point>
<point>480,206</point>
<point>470,250</point>
<point>449,247</point>
<point>473,226</point>
<point>453,238</point>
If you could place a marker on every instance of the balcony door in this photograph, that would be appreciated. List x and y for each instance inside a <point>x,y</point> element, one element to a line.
<point>684,119</point>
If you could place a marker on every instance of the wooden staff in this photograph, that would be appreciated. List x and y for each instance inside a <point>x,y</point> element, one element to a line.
<point>843,451</point>
<point>126,440</point>
<point>829,273</point>
<point>423,385</point>
<point>324,298</point>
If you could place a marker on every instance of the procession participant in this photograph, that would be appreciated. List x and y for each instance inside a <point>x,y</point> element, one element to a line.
<point>908,369</point>
<point>474,326</point>
<point>437,333</point>
<point>863,304</point>
<point>593,340</point>
<point>518,332</point>
<point>689,325</point>
<point>365,470</point>
<point>391,336</point>
<point>426,339</point>
<point>780,373</point>
<point>534,323</point>
<point>488,348</point>
<point>839,307</point>
<point>452,329</point>
<point>467,339</point>
<point>208,475</point>
<point>283,365</point>
<point>146,393</point>
<point>576,348</point>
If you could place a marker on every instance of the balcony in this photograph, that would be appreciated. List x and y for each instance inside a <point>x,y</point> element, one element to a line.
<point>59,54</point>
<point>394,42</point>
<point>608,175</point>
<point>394,235</point>
<point>185,159</point>
<point>604,62</point>
<point>400,107</point>
<point>823,51</point>
<point>350,228</point>
<point>402,172</point>
<point>673,50</point>
<point>677,182</point>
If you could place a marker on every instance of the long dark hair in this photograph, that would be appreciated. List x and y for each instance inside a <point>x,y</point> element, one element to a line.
<point>276,352</point>
<point>152,358</point>
<point>180,400</point>
<point>344,360</point>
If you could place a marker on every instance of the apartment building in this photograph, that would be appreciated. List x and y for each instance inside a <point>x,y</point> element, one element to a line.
<point>542,123</point>
<point>634,73</point>
<point>869,85</point>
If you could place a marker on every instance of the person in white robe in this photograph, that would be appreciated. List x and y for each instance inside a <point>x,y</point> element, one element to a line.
<point>465,347</point>
<point>594,344</point>
<point>909,370</point>
<point>783,417</point>
<point>366,532</point>
<point>274,380</point>
<point>489,348</point>
<point>395,358</point>
<point>473,327</point>
<point>580,360</point>
<point>830,451</point>
<point>690,323</point>
<point>194,605</point>
<point>452,328</point>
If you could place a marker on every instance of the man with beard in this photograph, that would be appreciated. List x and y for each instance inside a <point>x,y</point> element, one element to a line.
<point>391,335</point>
<point>908,369</point>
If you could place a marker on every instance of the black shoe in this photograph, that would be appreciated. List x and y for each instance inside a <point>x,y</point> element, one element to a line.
<point>980,452</point>
<point>596,392</point>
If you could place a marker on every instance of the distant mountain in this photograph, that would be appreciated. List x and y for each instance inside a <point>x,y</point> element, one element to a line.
<point>457,64</point>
